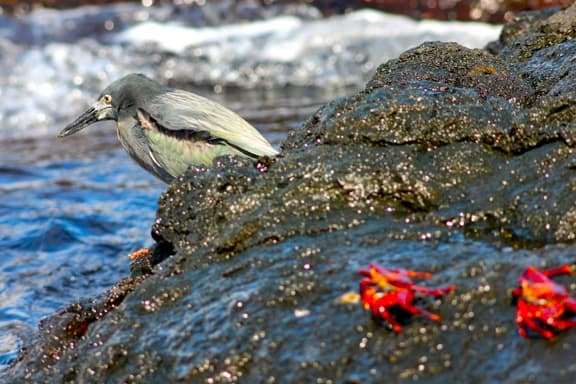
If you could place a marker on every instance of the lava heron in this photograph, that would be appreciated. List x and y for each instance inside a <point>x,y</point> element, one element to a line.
<point>166,130</point>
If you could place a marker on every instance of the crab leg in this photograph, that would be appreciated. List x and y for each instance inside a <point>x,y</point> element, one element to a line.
<point>384,314</point>
<point>529,322</point>
<point>563,270</point>
<point>434,292</point>
<point>405,300</point>
<point>563,324</point>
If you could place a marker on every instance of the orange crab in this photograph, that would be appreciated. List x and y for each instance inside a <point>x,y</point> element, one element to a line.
<point>544,306</point>
<point>386,289</point>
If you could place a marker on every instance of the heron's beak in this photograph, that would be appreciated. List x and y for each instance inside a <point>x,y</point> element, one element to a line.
<point>98,112</point>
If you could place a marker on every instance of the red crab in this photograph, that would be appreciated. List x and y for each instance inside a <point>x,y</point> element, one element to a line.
<point>543,306</point>
<point>384,289</point>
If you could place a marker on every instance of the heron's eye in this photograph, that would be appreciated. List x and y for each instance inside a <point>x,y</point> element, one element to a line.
<point>107,99</point>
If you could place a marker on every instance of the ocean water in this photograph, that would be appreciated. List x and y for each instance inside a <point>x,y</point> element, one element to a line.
<point>72,210</point>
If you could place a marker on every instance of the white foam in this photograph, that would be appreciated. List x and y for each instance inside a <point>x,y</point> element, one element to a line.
<point>327,52</point>
<point>175,37</point>
<point>46,85</point>
<point>288,38</point>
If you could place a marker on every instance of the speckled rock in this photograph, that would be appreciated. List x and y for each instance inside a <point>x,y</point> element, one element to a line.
<point>451,160</point>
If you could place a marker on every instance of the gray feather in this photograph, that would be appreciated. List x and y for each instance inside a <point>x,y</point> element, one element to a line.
<point>178,110</point>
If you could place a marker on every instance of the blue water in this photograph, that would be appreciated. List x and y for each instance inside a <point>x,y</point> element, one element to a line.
<point>67,226</point>
<point>72,210</point>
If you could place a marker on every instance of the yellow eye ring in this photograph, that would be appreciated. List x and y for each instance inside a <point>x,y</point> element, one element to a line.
<point>107,99</point>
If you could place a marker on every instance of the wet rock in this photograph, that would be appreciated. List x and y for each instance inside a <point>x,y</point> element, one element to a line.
<point>451,160</point>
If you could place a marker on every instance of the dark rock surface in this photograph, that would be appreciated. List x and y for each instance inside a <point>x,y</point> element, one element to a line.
<point>455,161</point>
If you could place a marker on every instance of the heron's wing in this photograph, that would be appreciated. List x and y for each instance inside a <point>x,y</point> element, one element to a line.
<point>174,151</point>
<point>193,117</point>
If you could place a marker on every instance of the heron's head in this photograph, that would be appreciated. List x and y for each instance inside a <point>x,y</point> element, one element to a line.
<point>121,97</point>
